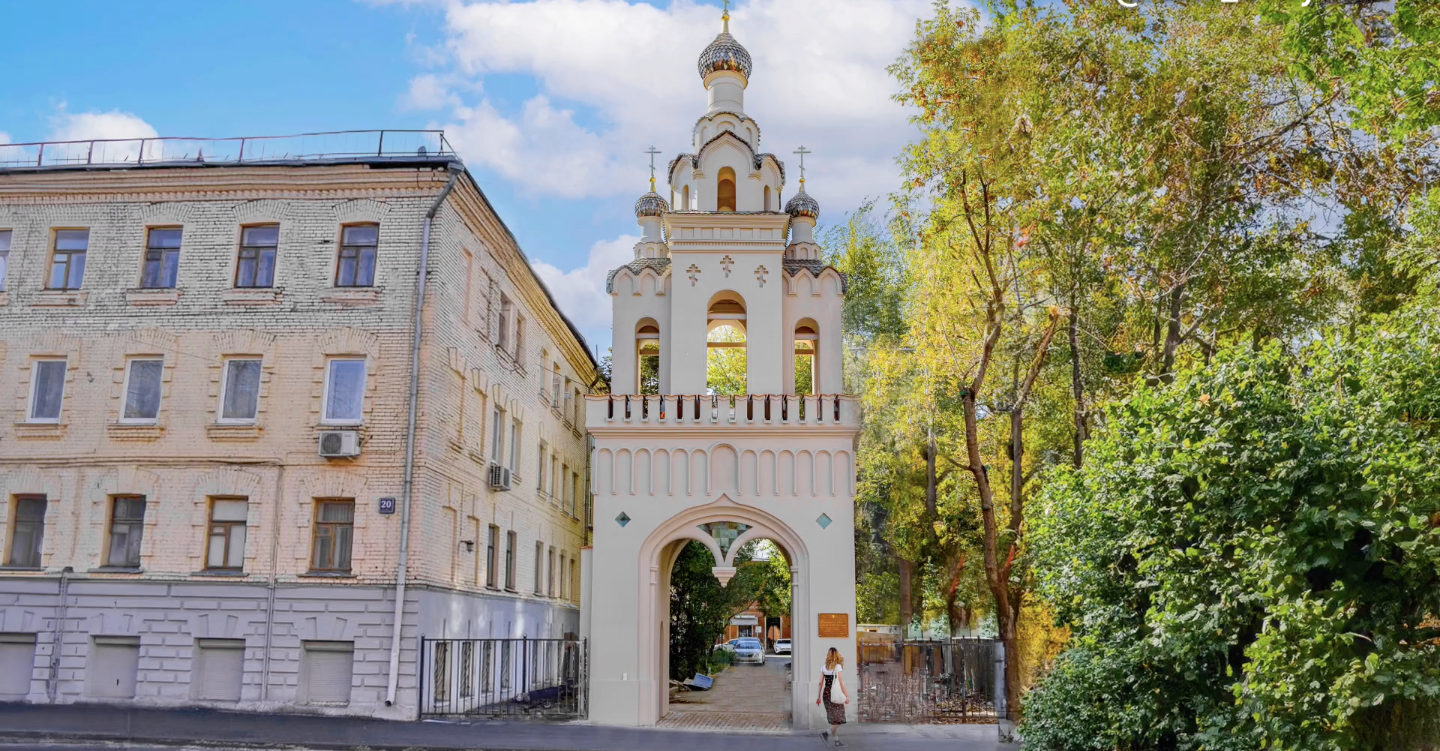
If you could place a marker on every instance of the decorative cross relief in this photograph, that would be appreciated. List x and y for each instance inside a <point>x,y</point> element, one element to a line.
<point>694,272</point>
<point>760,273</point>
<point>726,263</point>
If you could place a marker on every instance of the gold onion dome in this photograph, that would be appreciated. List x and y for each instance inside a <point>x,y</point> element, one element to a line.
<point>651,204</point>
<point>802,205</point>
<point>725,54</point>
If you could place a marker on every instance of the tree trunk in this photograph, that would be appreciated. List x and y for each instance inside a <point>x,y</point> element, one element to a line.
<point>906,604</point>
<point>1077,385</point>
<point>997,578</point>
<point>1172,334</point>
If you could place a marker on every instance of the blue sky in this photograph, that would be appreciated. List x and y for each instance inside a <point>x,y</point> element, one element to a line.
<point>550,102</point>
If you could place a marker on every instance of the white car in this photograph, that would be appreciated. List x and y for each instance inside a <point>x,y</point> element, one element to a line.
<point>782,646</point>
<point>749,650</point>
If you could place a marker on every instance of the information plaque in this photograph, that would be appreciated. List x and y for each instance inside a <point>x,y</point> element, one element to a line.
<point>834,625</point>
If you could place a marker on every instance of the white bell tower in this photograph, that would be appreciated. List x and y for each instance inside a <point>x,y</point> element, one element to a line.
<point>677,462</point>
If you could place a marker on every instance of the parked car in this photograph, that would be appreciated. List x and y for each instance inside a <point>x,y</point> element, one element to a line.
<point>782,646</point>
<point>749,650</point>
<point>729,646</point>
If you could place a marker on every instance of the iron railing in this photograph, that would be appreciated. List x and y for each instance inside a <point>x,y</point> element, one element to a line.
<point>934,682</point>
<point>503,678</point>
<point>347,145</point>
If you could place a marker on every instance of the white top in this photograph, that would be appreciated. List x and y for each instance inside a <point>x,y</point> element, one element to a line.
<point>838,669</point>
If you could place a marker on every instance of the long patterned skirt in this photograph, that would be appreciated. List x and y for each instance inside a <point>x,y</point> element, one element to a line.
<point>834,713</point>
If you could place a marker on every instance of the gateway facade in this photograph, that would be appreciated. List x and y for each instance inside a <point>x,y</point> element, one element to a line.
<point>720,267</point>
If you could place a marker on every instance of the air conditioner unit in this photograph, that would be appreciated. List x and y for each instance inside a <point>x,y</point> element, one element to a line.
<point>499,477</point>
<point>337,444</point>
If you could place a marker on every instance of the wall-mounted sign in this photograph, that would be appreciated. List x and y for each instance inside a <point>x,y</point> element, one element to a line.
<point>387,505</point>
<point>834,625</point>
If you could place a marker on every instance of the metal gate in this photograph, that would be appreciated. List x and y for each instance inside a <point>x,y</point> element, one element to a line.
<point>503,678</point>
<point>936,682</point>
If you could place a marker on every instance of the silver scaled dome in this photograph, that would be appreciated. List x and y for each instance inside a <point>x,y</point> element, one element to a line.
<point>651,204</point>
<point>725,54</point>
<point>802,205</point>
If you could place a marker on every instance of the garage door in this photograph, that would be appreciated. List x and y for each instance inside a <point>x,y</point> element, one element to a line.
<point>219,669</point>
<point>17,665</point>
<point>326,671</point>
<point>111,667</point>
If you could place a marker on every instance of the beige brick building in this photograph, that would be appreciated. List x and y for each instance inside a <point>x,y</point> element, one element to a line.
<point>177,340</point>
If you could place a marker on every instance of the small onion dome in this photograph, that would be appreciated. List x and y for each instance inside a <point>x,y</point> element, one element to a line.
<point>725,54</point>
<point>651,204</point>
<point>802,205</point>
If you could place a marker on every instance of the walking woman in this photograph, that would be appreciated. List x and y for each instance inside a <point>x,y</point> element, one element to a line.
<point>833,695</point>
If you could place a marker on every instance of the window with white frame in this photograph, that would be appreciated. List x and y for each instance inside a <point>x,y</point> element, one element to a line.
<point>503,335</point>
<point>561,573</point>
<point>497,435</point>
<point>142,389</point>
<point>515,447</point>
<point>345,391</point>
<point>555,386</point>
<point>511,542</point>
<point>555,476</point>
<point>564,486</point>
<point>520,340</point>
<point>540,470</point>
<point>539,567</point>
<point>574,493</point>
<point>578,401</point>
<point>47,389</point>
<point>566,411</point>
<point>492,558</point>
<point>550,574</point>
<point>240,390</point>
<point>4,255</point>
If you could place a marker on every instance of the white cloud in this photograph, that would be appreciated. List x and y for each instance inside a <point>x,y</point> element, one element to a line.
<point>819,79</point>
<point>88,126</point>
<point>581,292</point>
<point>4,137</point>
<point>427,92</point>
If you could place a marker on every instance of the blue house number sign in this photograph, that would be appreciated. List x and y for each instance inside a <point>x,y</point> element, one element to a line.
<point>387,505</point>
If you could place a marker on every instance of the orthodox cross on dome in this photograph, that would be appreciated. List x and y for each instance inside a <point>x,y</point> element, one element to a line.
<point>726,16</point>
<point>802,151</point>
<point>652,151</point>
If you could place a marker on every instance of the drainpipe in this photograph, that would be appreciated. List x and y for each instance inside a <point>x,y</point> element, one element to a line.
<point>402,569</point>
<point>52,682</point>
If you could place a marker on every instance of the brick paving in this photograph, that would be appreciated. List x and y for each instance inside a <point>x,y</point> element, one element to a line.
<point>745,698</point>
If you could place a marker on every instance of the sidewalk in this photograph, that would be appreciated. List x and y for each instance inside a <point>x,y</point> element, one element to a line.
<point>97,722</point>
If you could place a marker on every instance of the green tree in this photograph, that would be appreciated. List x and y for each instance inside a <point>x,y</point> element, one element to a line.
<point>1249,556</point>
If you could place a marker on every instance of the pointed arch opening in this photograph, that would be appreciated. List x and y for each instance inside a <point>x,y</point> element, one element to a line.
<point>725,190</point>
<point>727,363</point>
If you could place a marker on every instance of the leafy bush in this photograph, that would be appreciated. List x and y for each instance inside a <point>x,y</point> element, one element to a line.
<point>1250,557</point>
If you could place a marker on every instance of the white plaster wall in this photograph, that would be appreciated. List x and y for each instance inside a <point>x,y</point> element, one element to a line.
<point>820,300</point>
<point>788,477</point>
<point>690,307</point>
<point>636,297</point>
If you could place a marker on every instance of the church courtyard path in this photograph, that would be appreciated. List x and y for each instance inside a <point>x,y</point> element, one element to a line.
<point>745,699</point>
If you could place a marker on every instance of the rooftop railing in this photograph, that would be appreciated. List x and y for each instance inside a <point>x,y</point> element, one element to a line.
<point>711,410</point>
<point>335,146</point>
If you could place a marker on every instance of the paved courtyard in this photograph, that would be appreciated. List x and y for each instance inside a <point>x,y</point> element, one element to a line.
<point>745,699</point>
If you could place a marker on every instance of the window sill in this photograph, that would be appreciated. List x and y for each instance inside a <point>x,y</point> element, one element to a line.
<point>60,298</point>
<point>219,431</point>
<point>220,573</point>
<point>249,296</point>
<point>327,575</point>
<point>22,569</point>
<point>478,458</point>
<point>146,431</point>
<point>40,430</point>
<point>152,296</point>
<point>352,296</point>
<point>116,570</point>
